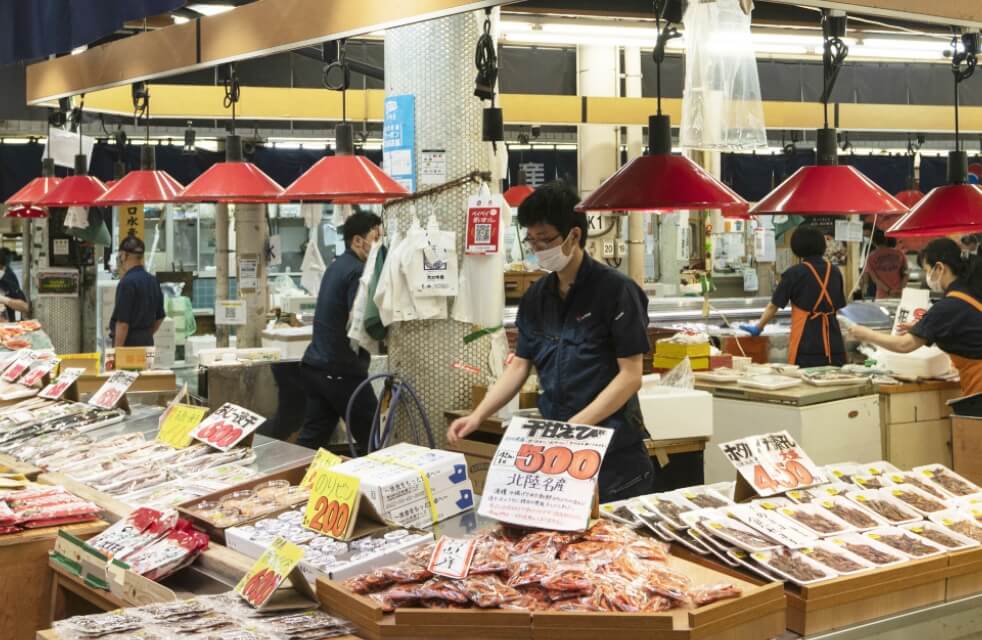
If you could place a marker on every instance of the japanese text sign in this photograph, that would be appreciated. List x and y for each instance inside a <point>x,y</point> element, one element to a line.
<point>452,557</point>
<point>259,584</point>
<point>65,379</point>
<point>111,393</point>
<point>180,422</point>
<point>36,372</point>
<point>19,366</point>
<point>227,426</point>
<point>544,474</point>
<point>914,303</point>
<point>483,226</point>
<point>772,463</point>
<point>333,505</point>
<point>322,461</point>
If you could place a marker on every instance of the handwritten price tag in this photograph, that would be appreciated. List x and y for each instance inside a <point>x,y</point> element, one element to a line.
<point>18,367</point>
<point>35,374</point>
<point>772,463</point>
<point>57,389</point>
<point>322,461</point>
<point>452,557</point>
<point>333,504</point>
<point>259,584</point>
<point>227,426</point>
<point>544,474</point>
<point>180,422</point>
<point>110,394</point>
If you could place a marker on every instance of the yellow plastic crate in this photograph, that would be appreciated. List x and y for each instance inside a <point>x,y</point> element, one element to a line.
<point>678,350</point>
<point>698,364</point>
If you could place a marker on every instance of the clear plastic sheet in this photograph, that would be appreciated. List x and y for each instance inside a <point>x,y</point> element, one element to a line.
<point>721,105</point>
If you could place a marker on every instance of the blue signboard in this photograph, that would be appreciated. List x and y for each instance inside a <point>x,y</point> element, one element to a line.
<point>399,140</point>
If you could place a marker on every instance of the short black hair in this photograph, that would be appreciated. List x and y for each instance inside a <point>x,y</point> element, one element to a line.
<point>808,242</point>
<point>133,246</point>
<point>554,203</point>
<point>5,254</point>
<point>880,239</point>
<point>359,223</point>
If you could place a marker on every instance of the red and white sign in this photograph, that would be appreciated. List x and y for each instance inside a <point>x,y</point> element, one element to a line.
<point>544,474</point>
<point>35,374</point>
<point>66,379</point>
<point>19,366</point>
<point>227,426</point>
<point>452,557</point>
<point>772,463</point>
<point>111,393</point>
<point>483,226</point>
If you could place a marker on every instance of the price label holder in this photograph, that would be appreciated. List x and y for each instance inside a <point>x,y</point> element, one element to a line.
<point>112,394</point>
<point>452,557</point>
<point>544,474</point>
<point>769,464</point>
<point>322,461</point>
<point>336,508</point>
<point>229,425</point>
<point>19,366</point>
<point>275,582</point>
<point>38,373</point>
<point>64,387</point>
<point>180,421</point>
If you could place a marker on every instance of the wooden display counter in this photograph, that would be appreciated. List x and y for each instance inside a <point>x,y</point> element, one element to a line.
<point>479,448</point>
<point>916,424</point>
<point>26,580</point>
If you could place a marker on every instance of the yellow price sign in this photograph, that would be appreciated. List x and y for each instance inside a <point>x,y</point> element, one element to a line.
<point>259,584</point>
<point>180,421</point>
<point>333,505</point>
<point>323,460</point>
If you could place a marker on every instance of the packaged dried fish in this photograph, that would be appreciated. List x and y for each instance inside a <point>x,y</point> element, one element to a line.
<point>606,531</point>
<point>704,498</point>
<point>871,482</point>
<point>869,550</point>
<point>816,519</point>
<point>710,593</point>
<point>793,566</point>
<point>529,569</point>
<point>836,558</point>
<point>948,480</point>
<point>885,506</point>
<point>851,512</point>
<point>921,483</point>
<point>488,591</point>
<point>669,507</point>
<point>568,579</point>
<point>918,499</point>
<point>738,534</point>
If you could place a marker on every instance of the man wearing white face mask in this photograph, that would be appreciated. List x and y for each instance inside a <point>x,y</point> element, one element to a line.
<point>11,295</point>
<point>584,328</point>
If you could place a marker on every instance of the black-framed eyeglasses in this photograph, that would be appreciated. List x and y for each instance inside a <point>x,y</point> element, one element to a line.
<point>539,245</point>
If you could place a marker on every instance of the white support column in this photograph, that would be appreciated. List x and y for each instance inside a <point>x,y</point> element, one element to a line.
<point>250,244</point>
<point>635,147</point>
<point>221,267</point>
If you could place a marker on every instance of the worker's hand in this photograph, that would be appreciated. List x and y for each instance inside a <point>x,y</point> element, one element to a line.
<point>904,328</point>
<point>463,427</point>
<point>4,300</point>
<point>752,329</point>
<point>858,332</point>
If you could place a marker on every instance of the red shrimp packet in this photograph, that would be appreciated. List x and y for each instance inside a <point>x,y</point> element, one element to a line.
<point>452,557</point>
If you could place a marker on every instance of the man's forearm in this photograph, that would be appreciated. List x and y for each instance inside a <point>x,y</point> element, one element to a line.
<point>769,312</point>
<point>502,391</point>
<point>614,396</point>
<point>122,331</point>
<point>18,305</point>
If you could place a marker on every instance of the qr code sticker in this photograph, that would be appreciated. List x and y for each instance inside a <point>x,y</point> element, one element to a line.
<point>482,233</point>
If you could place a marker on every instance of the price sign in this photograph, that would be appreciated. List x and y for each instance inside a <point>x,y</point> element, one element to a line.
<point>914,303</point>
<point>180,422</point>
<point>259,584</point>
<point>333,505</point>
<point>483,226</point>
<point>230,312</point>
<point>19,366</point>
<point>227,426</point>
<point>772,463</point>
<point>57,389</point>
<point>111,393</point>
<point>36,372</point>
<point>544,474</point>
<point>322,461</point>
<point>452,557</point>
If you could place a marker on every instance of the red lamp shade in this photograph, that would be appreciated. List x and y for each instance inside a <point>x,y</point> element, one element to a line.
<point>232,181</point>
<point>828,190</point>
<point>953,208</point>
<point>26,211</point>
<point>662,182</point>
<point>345,179</point>
<point>141,186</point>
<point>33,191</point>
<point>910,197</point>
<point>516,195</point>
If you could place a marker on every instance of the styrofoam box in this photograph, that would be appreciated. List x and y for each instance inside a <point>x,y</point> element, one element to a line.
<point>417,514</point>
<point>676,413</point>
<point>292,342</point>
<point>925,362</point>
<point>237,542</point>
<point>165,345</point>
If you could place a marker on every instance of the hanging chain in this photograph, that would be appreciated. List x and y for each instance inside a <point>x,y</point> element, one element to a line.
<point>834,53</point>
<point>665,34</point>
<point>233,92</point>
<point>963,63</point>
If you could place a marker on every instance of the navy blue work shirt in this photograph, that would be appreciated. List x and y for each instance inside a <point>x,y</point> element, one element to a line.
<point>10,287</point>
<point>799,287</point>
<point>140,304</point>
<point>575,342</point>
<point>330,348</point>
<point>953,324</point>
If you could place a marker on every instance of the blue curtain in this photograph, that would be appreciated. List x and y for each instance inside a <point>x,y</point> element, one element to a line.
<point>33,29</point>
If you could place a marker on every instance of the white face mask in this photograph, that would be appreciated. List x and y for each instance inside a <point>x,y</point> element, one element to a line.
<point>934,284</point>
<point>553,259</point>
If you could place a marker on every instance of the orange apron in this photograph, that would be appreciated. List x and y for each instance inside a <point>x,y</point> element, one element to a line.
<point>969,369</point>
<point>800,317</point>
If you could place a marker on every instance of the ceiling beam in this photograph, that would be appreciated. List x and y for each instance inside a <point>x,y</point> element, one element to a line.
<point>965,13</point>
<point>258,29</point>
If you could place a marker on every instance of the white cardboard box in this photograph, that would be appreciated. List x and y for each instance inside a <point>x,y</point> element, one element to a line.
<point>670,413</point>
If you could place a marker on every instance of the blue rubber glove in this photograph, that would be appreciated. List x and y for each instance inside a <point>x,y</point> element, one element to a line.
<point>752,329</point>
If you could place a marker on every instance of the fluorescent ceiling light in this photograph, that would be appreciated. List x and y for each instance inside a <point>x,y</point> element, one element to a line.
<point>210,9</point>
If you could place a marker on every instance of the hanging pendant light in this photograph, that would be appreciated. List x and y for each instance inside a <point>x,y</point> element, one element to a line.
<point>659,181</point>
<point>22,203</point>
<point>829,188</point>
<point>147,184</point>
<point>957,206</point>
<point>235,180</point>
<point>515,195</point>
<point>344,178</point>
<point>78,190</point>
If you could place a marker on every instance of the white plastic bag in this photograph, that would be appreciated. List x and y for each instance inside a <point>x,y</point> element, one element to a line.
<point>721,105</point>
<point>356,320</point>
<point>681,377</point>
<point>433,271</point>
<point>312,268</point>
